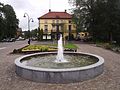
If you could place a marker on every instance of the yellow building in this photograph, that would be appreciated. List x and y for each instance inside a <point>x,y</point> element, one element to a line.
<point>55,23</point>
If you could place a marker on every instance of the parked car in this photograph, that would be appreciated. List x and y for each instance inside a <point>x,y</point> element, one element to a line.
<point>34,39</point>
<point>12,40</point>
<point>20,38</point>
<point>8,40</point>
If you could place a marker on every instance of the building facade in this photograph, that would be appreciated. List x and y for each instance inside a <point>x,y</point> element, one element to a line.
<point>18,32</point>
<point>53,24</point>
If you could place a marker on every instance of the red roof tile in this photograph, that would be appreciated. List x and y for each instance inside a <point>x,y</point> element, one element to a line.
<point>56,15</point>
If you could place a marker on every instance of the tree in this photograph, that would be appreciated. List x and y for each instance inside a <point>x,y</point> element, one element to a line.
<point>34,33</point>
<point>112,18</point>
<point>106,19</point>
<point>8,22</point>
<point>2,22</point>
<point>99,17</point>
<point>11,21</point>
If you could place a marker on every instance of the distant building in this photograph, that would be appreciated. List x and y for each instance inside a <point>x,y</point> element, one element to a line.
<point>55,23</point>
<point>19,32</point>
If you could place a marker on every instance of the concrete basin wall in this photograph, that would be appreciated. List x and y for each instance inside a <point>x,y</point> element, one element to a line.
<point>59,75</point>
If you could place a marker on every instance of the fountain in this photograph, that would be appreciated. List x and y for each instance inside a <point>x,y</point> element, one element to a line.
<point>51,67</point>
<point>60,57</point>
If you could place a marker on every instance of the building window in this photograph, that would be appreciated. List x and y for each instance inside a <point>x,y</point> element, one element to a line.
<point>70,21</point>
<point>60,28</point>
<point>53,28</point>
<point>61,21</point>
<point>69,27</point>
<point>53,21</point>
<point>57,21</point>
<point>46,21</point>
<point>64,21</point>
<point>46,28</point>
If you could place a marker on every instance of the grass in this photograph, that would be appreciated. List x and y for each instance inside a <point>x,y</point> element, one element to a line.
<point>70,46</point>
<point>48,47</point>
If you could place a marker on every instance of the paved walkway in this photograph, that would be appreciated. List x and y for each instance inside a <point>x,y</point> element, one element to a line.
<point>109,80</point>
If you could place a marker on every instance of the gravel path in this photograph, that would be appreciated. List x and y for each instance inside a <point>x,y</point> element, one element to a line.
<point>109,80</point>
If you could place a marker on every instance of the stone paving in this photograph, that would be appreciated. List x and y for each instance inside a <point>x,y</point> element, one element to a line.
<point>109,80</point>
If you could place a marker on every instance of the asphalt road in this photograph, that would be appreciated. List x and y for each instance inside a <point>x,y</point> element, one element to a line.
<point>16,44</point>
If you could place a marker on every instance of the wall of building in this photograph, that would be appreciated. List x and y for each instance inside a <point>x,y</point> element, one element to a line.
<point>64,28</point>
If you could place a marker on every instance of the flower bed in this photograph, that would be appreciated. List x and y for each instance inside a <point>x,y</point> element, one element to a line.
<point>44,48</point>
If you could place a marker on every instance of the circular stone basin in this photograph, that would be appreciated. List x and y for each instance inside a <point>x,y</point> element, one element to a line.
<point>40,67</point>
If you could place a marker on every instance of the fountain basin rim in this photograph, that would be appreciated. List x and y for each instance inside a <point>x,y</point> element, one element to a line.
<point>19,64</point>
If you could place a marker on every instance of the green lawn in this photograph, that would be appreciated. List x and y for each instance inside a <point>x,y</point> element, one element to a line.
<point>70,46</point>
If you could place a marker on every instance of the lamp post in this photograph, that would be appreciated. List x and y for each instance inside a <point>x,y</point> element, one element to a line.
<point>0,14</point>
<point>29,19</point>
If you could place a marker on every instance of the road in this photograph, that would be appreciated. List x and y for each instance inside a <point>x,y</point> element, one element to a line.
<point>5,45</point>
<point>7,61</point>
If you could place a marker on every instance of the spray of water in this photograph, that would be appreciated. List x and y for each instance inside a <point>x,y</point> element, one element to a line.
<point>60,56</point>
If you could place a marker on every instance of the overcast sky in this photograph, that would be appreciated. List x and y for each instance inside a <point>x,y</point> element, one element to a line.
<point>35,8</point>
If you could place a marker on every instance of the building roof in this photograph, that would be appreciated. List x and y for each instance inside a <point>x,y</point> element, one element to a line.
<point>56,15</point>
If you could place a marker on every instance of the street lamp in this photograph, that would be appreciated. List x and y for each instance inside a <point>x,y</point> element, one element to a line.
<point>0,14</point>
<point>29,19</point>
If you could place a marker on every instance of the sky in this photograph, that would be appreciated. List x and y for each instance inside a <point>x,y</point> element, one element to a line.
<point>35,9</point>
